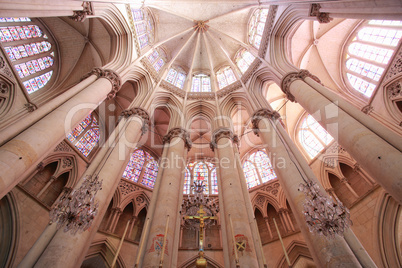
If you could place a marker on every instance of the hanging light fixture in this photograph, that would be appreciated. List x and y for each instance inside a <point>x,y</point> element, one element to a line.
<point>323,215</point>
<point>77,210</point>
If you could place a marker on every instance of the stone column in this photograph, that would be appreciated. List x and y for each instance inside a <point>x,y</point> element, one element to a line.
<point>27,149</point>
<point>247,202</point>
<point>115,220</point>
<point>266,219</point>
<point>290,177</point>
<point>133,220</point>
<point>177,142</point>
<point>63,246</point>
<point>31,118</point>
<point>233,201</point>
<point>345,182</point>
<point>380,157</point>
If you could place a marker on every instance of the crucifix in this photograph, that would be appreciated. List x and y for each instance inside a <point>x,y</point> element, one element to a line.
<point>201,262</point>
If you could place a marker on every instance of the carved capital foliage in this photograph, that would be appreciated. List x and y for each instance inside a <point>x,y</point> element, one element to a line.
<point>260,114</point>
<point>181,133</point>
<point>30,107</point>
<point>219,134</point>
<point>394,90</point>
<point>110,75</point>
<point>367,109</point>
<point>396,66</point>
<point>81,15</point>
<point>291,77</point>
<point>322,17</point>
<point>141,113</point>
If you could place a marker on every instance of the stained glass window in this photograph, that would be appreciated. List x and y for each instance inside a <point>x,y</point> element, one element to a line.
<point>187,182</point>
<point>142,168</point>
<point>133,169</point>
<point>313,136</point>
<point>225,77</point>
<point>258,169</point>
<point>370,52</point>
<point>214,182</point>
<point>256,27</point>
<point>201,83</point>
<point>29,50</point>
<point>176,77</point>
<point>243,60</point>
<point>201,171</point>
<point>157,58</point>
<point>150,173</point>
<point>85,136</point>
<point>143,25</point>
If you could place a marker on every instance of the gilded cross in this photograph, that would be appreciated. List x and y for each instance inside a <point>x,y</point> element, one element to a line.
<point>201,218</point>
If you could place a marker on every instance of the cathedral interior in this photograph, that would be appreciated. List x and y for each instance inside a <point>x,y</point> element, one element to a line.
<point>118,118</point>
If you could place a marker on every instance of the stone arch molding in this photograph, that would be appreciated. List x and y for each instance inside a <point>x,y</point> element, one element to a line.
<point>107,251</point>
<point>66,163</point>
<point>139,199</point>
<point>296,250</point>
<point>7,93</point>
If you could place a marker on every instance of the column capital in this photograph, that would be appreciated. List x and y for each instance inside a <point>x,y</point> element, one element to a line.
<point>292,76</point>
<point>110,75</point>
<point>283,210</point>
<point>219,134</point>
<point>322,17</point>
<point>260,114</point>
<point>344,180</point>
<point>139,112</point>
<point>81,15</point>
<point>181,133</point>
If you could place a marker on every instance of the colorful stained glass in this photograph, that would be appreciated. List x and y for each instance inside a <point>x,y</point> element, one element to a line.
<point>138,15</point>
<point>187,182</point>
<point>214,182</point>
<point>86,135</point>
<point>142,163</point>
<point>143,40</point>
<point>313,136</point>
<point>221,80</point>
<point>258,169</point>
<point>369,54</point>
<point>17,53</point>
<point>225,77</point>
<point>244,60</point>
<point>200,174</point>
<point>256,27</point>
<point>196,84</point>
<point>180,80</point>
<point>150,173</point>
<point>171,75</point>
<point>250,173</point>
<point>14,19</point>
<point>158,65</point>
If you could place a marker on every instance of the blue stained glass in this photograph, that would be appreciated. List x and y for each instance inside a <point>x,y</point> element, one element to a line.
<point>214,182</point>
<point>187,182</point>
<point>150,173</point>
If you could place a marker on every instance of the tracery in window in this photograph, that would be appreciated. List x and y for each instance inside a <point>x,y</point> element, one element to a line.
<point>244,59</point>
<point>201,83</point>
<point>225,77</point>
<point>176,77</point>
<point>85,136</point>
<point>256,27</point>
<point>29,50</point>
<point>157,58</point>
<point>313,136</point>
<point>369,53</point>
<point>201,171</point>
<point>144,26</point>
<point>141,168</point>
<point>258,169</point>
